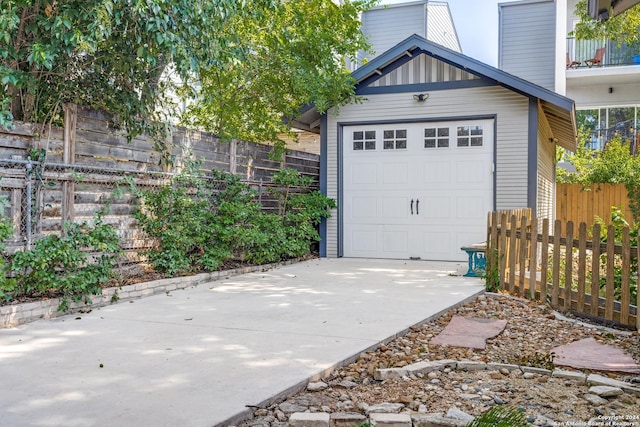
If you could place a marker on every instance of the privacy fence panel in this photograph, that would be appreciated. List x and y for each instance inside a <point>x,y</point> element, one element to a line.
<point>88,163</point>
<point>591,271</point>
<point>578,204</point>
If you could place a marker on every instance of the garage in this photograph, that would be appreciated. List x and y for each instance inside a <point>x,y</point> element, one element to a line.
<point>416,190</point>
<point>435,141</point>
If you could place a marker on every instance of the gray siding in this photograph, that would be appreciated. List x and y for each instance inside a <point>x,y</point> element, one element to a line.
<point>423,69</point>
<point>526,43</point>
<point>440,28</point>
<point>511,110</point>
<point>545,206</point>
<point>388,26</point>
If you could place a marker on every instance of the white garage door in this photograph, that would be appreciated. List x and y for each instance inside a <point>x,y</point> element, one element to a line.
<point>419,190</point>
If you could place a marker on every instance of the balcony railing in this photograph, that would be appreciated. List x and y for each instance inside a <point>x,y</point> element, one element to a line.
<point>581,50</point>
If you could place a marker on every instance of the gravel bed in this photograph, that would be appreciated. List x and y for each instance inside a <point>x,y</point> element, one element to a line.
<point>531,333</point>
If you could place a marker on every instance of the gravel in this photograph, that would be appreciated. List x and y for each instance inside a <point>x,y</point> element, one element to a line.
<point>531,333</point>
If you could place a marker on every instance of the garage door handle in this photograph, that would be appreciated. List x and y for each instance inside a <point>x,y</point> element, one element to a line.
<point>417,206</point>
<point>411,206</point>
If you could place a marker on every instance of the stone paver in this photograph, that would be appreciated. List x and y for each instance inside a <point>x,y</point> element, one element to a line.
<point>469,332</point>
<point>308,419</point>
<point>390,420</point>
<point>590,354</point>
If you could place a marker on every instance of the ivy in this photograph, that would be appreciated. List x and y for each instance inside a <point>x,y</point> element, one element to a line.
<point>72,265</point>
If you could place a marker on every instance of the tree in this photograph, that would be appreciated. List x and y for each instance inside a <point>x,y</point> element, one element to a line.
<point>623,28</point>
<point>267,58</point>
<point>295,57</point>
<point>613,165</point>
<point>107,53</point>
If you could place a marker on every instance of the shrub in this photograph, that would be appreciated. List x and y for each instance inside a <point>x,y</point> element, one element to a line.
<point>60,264</point>
<point>197,226</point>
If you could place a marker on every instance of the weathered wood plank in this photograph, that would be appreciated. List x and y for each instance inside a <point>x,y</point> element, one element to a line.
<point>610,278</point>
<point>582,265</point>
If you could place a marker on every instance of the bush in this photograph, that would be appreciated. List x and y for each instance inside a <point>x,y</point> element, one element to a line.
<point>196,226</point>
<point>60,264</point>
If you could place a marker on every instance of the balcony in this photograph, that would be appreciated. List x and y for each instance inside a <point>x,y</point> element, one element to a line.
<point>581,50</point>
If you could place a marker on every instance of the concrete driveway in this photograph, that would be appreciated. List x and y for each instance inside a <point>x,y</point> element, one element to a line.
<point>196,357</point>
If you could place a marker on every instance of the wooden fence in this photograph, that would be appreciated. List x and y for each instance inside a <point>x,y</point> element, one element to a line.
<point>594,277</point>
<point>574,203</point>
<point>87,159</point>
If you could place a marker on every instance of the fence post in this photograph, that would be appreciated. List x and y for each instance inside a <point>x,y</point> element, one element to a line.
<point>544,260</point>
<point>233,156</point>
<point>555,289</point>
<point>68,157</point>
<point>610,288</point>
<point>568,266</point>
<point>523,254</point>
<point>582,264</point>
<point>533,264</point>
<point>28,205</point>
<point>638,282</point>
<point>625,300</point>
<point>595,270</point>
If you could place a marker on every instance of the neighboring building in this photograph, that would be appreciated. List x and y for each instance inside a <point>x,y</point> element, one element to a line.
<point>534,43</point>
<point>386,26</point>
<point>440,140</point>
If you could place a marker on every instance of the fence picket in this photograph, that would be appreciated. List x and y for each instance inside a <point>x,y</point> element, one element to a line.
<point>522,259</point>
<point>544,258</point>
<point>610,290</point>
<point>533,265</point>
<point>582,264</point>
<point>555,284</point>
<point>503,250</point>
<point>512,253</point>
<point>595,270</point>
<point>568,266</point>
<point>625,296</point>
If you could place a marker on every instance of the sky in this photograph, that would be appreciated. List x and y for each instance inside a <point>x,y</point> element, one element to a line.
<point>476,22</point>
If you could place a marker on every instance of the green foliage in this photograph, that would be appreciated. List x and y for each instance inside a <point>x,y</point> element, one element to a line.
<point>7,284</point>
<point>613,165</point>
<point>538,359</point>
<point>492,273</point>
<point>198,227</point>
<point>61,265</point>
<point>295,56</point>
<point>622,28</point>
<point>242,65</point>
<point>501,416</point>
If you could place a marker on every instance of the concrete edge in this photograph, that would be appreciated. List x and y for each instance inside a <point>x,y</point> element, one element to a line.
<point>247,414</point>
<point>19,314</point>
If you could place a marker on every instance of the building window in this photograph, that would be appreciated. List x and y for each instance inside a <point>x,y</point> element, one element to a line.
<point>470,136</point>
<point>395,139</point>
<point>364,140</point>
<point>436,137</point>
<point>606,123</point>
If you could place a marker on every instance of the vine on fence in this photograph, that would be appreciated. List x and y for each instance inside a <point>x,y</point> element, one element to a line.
<point>198,226</point>
<point>61,265</point>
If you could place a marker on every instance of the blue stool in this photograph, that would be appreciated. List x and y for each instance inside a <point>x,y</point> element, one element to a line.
<point>477,259</point>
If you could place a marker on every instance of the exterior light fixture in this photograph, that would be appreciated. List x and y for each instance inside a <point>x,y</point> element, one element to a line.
<point>420,97</point>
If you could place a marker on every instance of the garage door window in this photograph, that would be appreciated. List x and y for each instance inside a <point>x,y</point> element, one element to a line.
<point>436,137</point>
<point>364,140</point>
<point>470,136</point>
<point>395,139</point>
